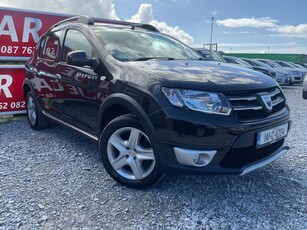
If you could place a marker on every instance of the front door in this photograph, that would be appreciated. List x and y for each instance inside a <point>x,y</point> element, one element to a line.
<point>77,102</point>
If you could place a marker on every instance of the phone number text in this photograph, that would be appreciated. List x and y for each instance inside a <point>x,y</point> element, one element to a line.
<point>12,105</point>
<point>16,49</point>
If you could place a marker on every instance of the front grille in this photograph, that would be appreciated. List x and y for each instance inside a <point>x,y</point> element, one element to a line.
<point>296,73</point>
<point>249,106</point>
<point>237,158</point>
<point>297,78</point>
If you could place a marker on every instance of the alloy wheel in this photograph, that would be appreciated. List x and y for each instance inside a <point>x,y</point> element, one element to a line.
<point>130,153</point>
<point>31,110</point>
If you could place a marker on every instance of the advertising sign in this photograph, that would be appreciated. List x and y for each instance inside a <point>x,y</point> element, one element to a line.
<point>20,30</point>
<point>12,100</point>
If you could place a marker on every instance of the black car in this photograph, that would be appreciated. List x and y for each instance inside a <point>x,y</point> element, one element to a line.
<point>261,67</point>
<point>152,103</point>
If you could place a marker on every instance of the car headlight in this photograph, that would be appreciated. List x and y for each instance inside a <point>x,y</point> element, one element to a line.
<point>201,101</point>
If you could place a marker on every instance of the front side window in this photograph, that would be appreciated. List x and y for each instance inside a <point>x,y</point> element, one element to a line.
<point>75,40</point>
<point>50,46</point>
<point>127,44</point>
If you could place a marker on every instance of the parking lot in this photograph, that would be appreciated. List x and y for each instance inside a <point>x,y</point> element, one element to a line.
<point>54,179</point>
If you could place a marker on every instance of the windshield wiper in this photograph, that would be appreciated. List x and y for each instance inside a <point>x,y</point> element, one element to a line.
<point>150,58</point>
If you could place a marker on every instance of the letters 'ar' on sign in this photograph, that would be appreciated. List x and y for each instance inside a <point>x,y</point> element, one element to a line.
<point>12,100</point>
<point>20,30</point>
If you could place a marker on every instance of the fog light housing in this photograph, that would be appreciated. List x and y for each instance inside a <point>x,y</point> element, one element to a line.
<point>196,158</point>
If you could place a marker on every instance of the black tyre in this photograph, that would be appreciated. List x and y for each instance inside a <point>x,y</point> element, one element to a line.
<point>304,94</point>
<point>127,153</point>
<point>36,118</point>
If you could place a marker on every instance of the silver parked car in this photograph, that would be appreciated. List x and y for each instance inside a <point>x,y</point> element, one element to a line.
<point>298,65</point>
<point>294,73</point>
<point>282,77</point>
<point>304,65</point>
<point>285,64</point>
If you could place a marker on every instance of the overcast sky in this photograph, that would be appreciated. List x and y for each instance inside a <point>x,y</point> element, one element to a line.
<point>275,26</point>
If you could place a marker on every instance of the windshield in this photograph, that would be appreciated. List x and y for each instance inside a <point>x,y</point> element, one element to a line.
<point>242,62</point>
<point>276,65</point>
<point>127,44</point>
<point>271,63</point>
<point>211,55</point>
<point>268,63</point>
<point>251,62</point>
<point>284,64</point>
<point>301,65</point>
<point>217,57</point>
<point>258,63</point>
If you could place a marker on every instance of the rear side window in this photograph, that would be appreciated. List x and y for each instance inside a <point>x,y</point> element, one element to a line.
<point>75,40</point>
<point>50,46</point>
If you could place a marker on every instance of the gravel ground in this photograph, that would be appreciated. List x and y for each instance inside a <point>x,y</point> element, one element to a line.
<point>54,179</point>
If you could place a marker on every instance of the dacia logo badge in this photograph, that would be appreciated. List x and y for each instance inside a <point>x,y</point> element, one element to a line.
<point>267,101</point>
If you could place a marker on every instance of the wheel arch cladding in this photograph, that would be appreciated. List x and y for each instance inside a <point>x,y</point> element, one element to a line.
<point>127,105</point>
<point>124,104</point>
<point>27,87</point>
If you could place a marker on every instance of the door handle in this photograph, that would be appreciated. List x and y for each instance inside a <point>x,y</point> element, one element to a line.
<point>57,77</point>
<point>32,70</point>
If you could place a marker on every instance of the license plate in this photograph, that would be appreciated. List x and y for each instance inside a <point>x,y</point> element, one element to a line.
<point>272,135</point>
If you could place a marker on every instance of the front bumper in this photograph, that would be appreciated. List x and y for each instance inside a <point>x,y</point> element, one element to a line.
<point>283,80</point>
<point>296,79</point>
<point>265,161</point>
<point>216,144</point>
<point>187,157</point>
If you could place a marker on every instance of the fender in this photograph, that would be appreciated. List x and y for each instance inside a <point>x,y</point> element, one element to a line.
<point>27,82</point>
<point>136,110</point>
<point>129,103</point>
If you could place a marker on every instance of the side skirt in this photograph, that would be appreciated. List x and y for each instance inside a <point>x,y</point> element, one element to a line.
<point>84,133</point>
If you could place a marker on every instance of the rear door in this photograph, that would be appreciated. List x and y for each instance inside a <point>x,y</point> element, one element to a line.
<point>44,68</point>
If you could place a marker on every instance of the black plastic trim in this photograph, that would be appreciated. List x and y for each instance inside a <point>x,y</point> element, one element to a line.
<point>136,110</point>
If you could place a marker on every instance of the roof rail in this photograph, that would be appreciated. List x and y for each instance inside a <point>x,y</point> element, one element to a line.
<point>127,23</point>
<point>90,21</point>
<point>86,20</point>
<point>79,19</point>
<point>144,26</point>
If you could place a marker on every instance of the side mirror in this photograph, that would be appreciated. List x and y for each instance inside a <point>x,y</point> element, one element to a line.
<point>79,58</point>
